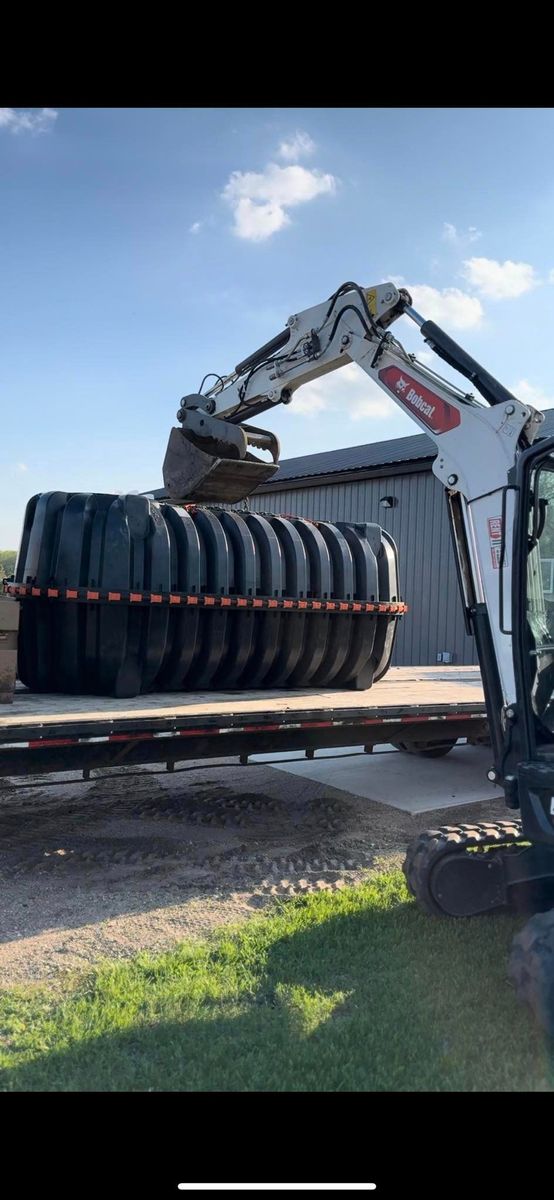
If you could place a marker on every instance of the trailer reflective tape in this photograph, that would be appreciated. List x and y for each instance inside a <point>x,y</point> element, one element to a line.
<point>262,728</point>
<point>174,599</point>
<point>414,720</point>
<point>197,732</point>
<point>135,597</point>
<point>35,591</point>
<point>93,595</point>
<point>130,737</point>
<point>36,745</point>
<point>114,595</point>
<point>318,724</point>
<point>155,597</point>
<point>71,594</point>
<point>273,727</point>
<point>52,592</point>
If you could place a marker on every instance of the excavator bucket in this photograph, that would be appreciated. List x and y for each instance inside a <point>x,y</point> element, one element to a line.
<point>211,472</point>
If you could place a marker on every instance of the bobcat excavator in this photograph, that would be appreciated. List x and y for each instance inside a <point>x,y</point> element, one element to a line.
<point>498,476</point>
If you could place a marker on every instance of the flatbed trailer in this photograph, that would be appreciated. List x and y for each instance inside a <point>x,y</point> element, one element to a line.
<point>41,733</point>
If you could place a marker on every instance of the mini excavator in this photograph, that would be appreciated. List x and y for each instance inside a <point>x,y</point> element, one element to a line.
<point>498,476</point>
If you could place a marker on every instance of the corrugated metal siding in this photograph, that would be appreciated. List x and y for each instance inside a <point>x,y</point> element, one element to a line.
<point>419,526</point>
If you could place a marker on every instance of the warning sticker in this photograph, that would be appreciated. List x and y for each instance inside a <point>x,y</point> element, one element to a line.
<point>371,297</point>
<point>495,541</point>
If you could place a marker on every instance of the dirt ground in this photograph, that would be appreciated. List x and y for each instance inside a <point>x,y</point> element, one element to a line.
<point>107,867</point>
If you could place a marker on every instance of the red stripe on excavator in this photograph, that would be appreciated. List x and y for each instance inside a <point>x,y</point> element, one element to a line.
<point>425,405</point>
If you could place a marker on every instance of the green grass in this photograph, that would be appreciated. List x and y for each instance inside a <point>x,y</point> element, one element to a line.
<point>7,562</point>
<point>348,991</point>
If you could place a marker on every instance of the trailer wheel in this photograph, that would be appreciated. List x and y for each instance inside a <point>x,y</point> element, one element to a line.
<point>426,749</point>
<point>531,968</point>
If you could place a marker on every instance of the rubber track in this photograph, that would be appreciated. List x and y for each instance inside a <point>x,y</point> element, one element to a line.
<point>531,967</point>
<point>425,852</point>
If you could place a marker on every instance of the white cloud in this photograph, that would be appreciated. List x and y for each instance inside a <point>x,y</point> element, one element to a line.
<point>551,276</point>
<point>348,391</point>
<point>374,405</point>
<point>458,238</point>
<point>311,399</point>
<point>449,233</point>
<point>393,277</point>
<point>256,222</point>
<point>529,393</point>
<point>454,307</point>
<point>299,144</point>
<point>427,358</point>
<point>260,199</point>
<point>500,281</point>
<point>195,227</point>
<point>18,120</point>
<point>21,467</point>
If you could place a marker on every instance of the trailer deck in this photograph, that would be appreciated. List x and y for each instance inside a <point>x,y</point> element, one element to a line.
<point>42,732</point>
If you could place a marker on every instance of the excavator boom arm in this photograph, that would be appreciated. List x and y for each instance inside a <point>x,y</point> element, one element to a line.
<point>478,442</point>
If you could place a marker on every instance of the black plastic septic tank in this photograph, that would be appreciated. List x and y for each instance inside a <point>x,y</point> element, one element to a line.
<point>122,595</point>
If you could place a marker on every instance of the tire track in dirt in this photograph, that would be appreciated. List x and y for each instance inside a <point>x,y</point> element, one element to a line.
<point>109,866</point>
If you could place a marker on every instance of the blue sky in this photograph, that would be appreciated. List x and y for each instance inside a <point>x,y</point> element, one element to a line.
<point>141,248</point>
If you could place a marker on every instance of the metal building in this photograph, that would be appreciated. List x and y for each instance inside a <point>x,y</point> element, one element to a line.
<point>392,484</point>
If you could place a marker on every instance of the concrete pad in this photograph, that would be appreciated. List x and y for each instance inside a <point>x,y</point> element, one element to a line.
<point>404,781</point>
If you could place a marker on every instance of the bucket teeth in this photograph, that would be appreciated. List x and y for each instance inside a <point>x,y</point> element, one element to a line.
<point>192,474</point>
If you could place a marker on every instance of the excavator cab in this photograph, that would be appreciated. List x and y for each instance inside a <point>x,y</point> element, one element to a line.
<point>533,637</point>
